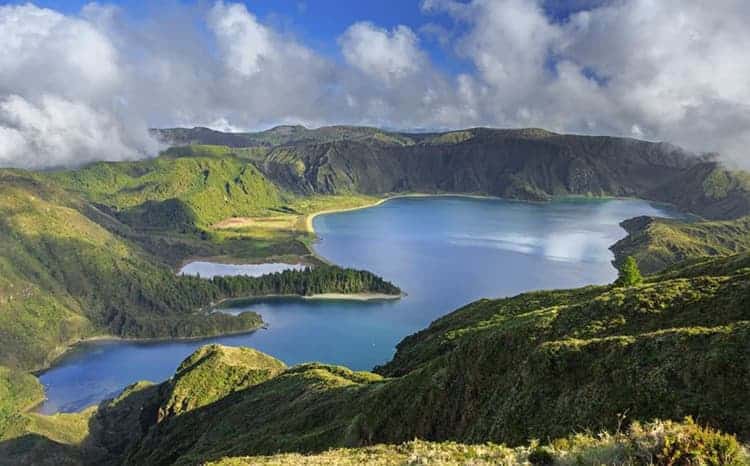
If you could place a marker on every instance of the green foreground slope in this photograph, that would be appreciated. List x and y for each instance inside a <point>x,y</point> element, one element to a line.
<point>655,443</point>
<point>539,365</point>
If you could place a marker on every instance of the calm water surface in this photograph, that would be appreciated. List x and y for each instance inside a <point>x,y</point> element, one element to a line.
<point>443,251</point>
<point>213,269</point>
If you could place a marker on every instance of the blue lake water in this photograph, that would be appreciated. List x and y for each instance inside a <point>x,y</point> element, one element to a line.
<point>444,252</point>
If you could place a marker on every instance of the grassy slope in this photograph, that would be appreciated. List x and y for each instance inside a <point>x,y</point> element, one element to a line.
<point>18,391</point>
<point>173,204</point>
<point>706,189</point>
<point>210,183</point>
<point>539,365</point>
<point>652,443</point>
<point>660,243</point>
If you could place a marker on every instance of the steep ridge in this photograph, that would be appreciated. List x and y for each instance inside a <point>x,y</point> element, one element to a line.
<point>494,162</point>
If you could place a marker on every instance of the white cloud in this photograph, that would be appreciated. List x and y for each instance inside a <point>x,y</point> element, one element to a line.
<point>56,131</point>
<point>42,48</point>
<point>243,41</point>
<point>388,55</point>
<point>669,70</point>
<point>59,93</point>
<point>75,88</point>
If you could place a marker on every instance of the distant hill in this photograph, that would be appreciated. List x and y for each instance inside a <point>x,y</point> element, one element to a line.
<point>525,164</point>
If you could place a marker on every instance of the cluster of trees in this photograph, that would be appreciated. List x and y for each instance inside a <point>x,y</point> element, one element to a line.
<point>306,282</point>
<point>156,303</point>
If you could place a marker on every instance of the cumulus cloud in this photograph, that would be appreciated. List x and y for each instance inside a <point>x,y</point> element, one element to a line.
<point>55,131</point>
<point>86,86</point>
<point>669,70</point>
<point>389,55</point>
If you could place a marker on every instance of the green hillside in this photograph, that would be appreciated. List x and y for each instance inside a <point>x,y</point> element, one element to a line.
<point>657,442</point>
<point>66,277</point>
<point>660,243</point>
<point>542,365</point>
<point>539,365</point>
<point>210,182</point>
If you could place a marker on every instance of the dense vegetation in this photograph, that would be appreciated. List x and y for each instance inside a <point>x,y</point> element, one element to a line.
<point>310,281</point>
<point>629,273</point>
<point>18,392</point>
<point>655,443</point>
<point>65,277</point>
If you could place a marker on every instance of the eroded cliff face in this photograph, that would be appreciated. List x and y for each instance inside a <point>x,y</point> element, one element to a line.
<point>492,162</point>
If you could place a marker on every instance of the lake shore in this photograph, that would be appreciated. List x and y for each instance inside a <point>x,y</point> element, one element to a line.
<point>104,338</point>
<point>310,228</point>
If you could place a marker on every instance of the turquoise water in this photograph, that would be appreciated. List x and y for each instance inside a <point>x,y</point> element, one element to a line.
<point>444,252</point>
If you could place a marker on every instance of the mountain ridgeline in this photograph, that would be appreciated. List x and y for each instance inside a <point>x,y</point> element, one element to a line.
<point>530,164</point>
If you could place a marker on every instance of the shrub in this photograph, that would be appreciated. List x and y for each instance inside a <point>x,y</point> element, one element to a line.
<point>630,275</point>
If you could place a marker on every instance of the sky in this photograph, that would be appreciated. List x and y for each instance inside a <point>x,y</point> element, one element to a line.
<point>84,81</point>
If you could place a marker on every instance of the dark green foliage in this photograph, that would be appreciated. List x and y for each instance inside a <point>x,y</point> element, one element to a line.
<point>18,392</point>
<point>693,444</point>
<point>541,456</point>
<point>629,275</point>
<point>69,270</point>
<point>307,282</point>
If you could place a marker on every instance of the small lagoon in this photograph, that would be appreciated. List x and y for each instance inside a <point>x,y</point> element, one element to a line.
<point>444,252</point>
<point>213,269</point>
